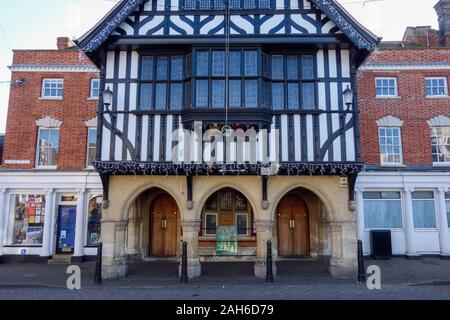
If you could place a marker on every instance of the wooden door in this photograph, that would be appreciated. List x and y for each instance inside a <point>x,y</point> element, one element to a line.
<point>164,227</point>
<point>293,229</point>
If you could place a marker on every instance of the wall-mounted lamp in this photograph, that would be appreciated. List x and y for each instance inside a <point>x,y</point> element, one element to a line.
<point>107,102</point>
<point>348,97</point>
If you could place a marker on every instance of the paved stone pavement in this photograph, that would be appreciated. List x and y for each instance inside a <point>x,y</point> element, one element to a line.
<point>428,278</point>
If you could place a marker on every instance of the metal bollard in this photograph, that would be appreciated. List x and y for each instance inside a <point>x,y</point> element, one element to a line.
<point>98,264</point>
<point>184,275</point>
<point>269,272</point>
<point>361,269</point>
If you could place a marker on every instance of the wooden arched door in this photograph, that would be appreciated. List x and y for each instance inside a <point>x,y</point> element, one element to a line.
<point>293,228</point>
<point>164,226</point>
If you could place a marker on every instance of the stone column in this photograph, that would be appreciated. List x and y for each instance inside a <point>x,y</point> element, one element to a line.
<point>133,238</point>
<point>359,214</point>
<point>78,253</point>
<point>409,223</point>
<point>264,232</point>
<point>114,260</point>
<point>343,263</point>
<point>47,236</point>
<point>444,236</point>
<point>3,219</point>
<point>191,229</point>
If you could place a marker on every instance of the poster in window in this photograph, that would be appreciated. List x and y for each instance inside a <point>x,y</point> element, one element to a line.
<point>34,235</point>
<point>226,241</point>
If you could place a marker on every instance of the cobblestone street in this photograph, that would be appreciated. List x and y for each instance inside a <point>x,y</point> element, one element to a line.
<point>428,278</point>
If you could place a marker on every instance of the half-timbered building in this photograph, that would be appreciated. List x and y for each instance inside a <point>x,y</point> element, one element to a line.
<point>226,124</point>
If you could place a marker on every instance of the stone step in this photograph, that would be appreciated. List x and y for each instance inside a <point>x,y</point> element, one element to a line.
<point>60,259</point>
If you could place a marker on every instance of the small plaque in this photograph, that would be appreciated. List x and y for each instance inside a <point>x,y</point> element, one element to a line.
<point>226,219</point>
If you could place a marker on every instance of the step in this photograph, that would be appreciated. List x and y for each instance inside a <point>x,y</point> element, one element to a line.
<point>60,259</point>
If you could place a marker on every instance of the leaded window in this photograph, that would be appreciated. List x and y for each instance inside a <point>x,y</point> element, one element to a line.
<point>233,4</point>
<point>162,82</point>
<point>293,84</point>
<point>209,78</point>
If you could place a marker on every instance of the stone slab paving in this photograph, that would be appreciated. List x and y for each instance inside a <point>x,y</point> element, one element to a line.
<point>428,278</point>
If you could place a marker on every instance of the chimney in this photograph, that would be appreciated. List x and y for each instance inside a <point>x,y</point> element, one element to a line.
<point>64,43</point>
<point>443,11</point>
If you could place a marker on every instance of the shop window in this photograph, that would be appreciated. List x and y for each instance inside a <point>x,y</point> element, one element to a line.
<point>28,219</point>
<point>447,203</point>
<point>382,210</point>
<point>424,213</point>
<point>94,221</point>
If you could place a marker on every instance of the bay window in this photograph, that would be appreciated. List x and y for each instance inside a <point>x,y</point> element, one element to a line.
<point>161,82</point>
<point>292,82</point>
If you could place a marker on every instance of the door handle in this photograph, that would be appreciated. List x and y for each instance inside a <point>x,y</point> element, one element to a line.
<point>164,224</point>
<point>293,224</point>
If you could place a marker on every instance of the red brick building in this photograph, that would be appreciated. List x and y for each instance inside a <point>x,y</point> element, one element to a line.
<point>50,140</point>
<point>404,107</point>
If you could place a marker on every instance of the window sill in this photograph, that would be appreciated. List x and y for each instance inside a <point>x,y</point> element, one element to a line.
<point>51,99</point>
<point>441,164</point>
<point>388,97</point>
<point>92,99</point>
<point>386,165</point>
<point>47,168</point>
<point>438,97</point>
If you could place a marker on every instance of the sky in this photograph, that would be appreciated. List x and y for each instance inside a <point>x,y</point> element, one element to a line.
<point>42,21</point>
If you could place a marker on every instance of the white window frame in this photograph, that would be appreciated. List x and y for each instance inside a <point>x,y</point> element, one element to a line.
<point>402,207</point>
<point>247,226</point>
<point>392,164</point>
<point>436,208</point>
<point>92,97</point>
<point>206,227</point>
<point>88,148</point>
<point>38,149</point>
<point>387,96</point>
<point>447,202</point>
<point>438,163</point>
<point>43,96</point>
<point>445,95</point>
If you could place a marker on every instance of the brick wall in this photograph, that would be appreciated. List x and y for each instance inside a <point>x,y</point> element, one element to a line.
<point>26,106</point>
<point>412,106</point>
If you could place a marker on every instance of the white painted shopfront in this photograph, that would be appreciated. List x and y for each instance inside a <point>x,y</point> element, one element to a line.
<point>415,206</point>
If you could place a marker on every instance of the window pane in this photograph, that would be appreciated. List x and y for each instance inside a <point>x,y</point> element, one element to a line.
<point>54,138</point>
<point>202,63</point>
<point>211,223</point>
<point>251,63</point>
<point>249,4</point>
<point>251,93</point>
<point>201,93</point>
<point>241,223</point>
<point>218,63</point>
<point>382,213</point>
<point>278,96</point>
<point>292,67</point>
<point>448,211</point>
<point>161,68</point>
<point>161,96</point>
<point>44,137</point>
<point>218,93</point>
<point>176,68</point>
<point>92,137</point>
<point>235,63</point>
<point>293,96</point>
<point>147,68</point>
<point>308,96</point>
<point>146,96</point>
<point>424,214</point>
<point>235,93</point>
<point>277,67</point>
<point>307,67</point>
<point>422,195</point>
<point>176,96</point>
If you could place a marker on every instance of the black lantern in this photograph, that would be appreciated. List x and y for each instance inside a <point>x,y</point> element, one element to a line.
<point>348,97</point>
<point>107,102</point>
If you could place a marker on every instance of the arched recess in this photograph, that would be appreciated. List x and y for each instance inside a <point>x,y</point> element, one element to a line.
<point>154,227</point>
<point>228,211</point>
<point>306,222</point>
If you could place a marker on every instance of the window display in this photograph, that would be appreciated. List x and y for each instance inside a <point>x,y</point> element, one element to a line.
<point>28,223</point>
<point>94,221</point>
